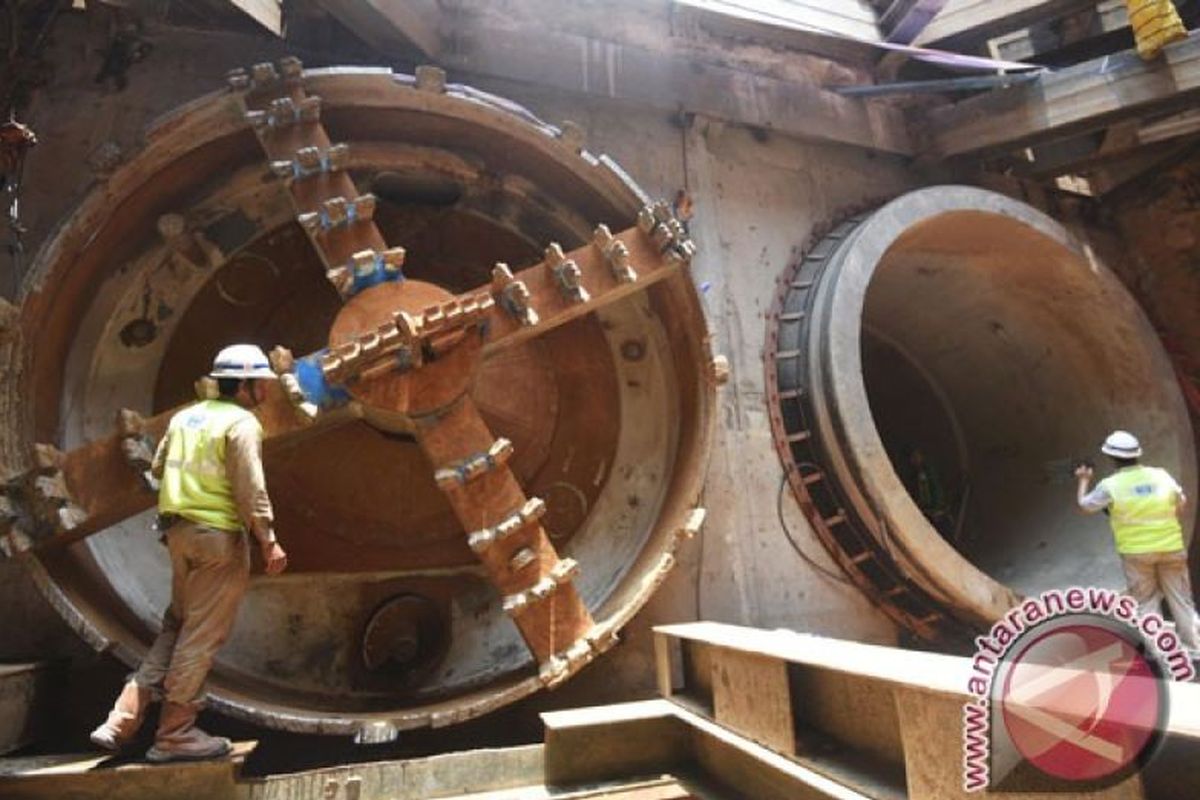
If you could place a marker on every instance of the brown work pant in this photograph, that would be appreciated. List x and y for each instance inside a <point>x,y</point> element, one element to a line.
<point>1152,576</point>
<point>210,570</point>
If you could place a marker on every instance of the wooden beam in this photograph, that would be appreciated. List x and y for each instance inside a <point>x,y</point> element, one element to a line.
<point>967,24</point>
<point>1085,98</point>
<point>676,83</point>
<point>1052,35</point>
<point>842,31</point>
<point>268,13</point>
<point>905,20</point>
<point>391,26</point>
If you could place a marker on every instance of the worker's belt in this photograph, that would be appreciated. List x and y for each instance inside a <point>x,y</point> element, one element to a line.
<point>164,522</point>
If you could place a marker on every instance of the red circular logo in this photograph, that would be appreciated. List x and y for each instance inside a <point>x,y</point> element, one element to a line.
<point>1081,702</point>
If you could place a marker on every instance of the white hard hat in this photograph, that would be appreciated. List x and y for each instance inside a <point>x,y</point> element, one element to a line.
<point>242,361</point>
<point>1121,444</point>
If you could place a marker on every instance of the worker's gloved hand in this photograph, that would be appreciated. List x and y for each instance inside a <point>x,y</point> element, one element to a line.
<point>1084,471</point>
<point>274,558</point>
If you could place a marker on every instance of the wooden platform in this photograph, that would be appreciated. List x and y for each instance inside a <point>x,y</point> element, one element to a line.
<point>767,715</point>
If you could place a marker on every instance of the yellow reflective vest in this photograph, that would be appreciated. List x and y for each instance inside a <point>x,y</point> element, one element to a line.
<point>194,484</point>
<point>1142,511</point>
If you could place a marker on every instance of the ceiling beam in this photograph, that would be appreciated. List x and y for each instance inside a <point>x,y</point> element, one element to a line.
<point>842,31</point>
<point>966,25</point>
<point>391,27</point>
<point>675,82</point>
<point>904,20</point>
<point>1084,98</point>
<point>1049,36</point>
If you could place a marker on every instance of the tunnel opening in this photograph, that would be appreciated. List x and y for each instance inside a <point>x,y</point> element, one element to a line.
<point>920,433</point>
<point>974,331</point>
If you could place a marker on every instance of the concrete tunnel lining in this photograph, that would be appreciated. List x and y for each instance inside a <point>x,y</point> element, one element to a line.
<point>1038,351</point>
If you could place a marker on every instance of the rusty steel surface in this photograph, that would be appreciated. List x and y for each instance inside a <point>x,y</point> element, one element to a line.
<point>862,556</point>
<point>391,617</point>
<point>1014,351</point>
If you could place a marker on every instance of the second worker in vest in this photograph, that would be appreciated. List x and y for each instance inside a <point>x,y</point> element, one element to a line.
<point>212,492</point>
<point>1146,508</point>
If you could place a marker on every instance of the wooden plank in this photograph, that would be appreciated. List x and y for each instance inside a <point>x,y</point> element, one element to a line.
<point>89,776</point>
<point>966,24</point>
<point>677,83</point>
<point>846,32</point>
<point>268,13</point>
<point>1087,97</point>
<point>1048,36</point>
<point>25,689</point>
<point>664,665</point>
<point>929,670</point>
<point>751,696</point>
<point>608,743</point>
<point>757,771</point>
<point>905,20</point>
<point>390,25</point>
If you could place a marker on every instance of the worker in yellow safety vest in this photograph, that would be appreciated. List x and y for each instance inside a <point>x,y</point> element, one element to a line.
<point>212,492</point>
<point>1146,508</point>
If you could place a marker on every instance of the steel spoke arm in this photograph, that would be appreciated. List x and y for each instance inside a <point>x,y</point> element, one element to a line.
<point>535,584</point>
<point>562,288</point>
<point>565,287</point>
<point>69,496</point>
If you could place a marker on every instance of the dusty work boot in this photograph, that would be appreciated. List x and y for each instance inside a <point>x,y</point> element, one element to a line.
<point>125,719</point>
<point>178,738</point>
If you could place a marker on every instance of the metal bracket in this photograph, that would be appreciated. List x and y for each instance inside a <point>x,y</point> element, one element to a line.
<point>565,663</point>
<point>310,161</point>
<point>284,112</point>
<point>615,253</point>
<point>453,314</point>
<point>284,365</point>
<point>560,575</point>
<point>42,492</point>
<point>346,360</point>
<point>430,79</point>
<point>533,510</point>
<point>265,75</point>
<point>467,470</point>
<point>668,234</point>
<point>338,212</point>
<point>522,559</point>
<point>367,268</point>
<point>566,274</point>
<point>513,296</point>
<point>14,540</point>
<point>399,344</point>
<point>137,446</point>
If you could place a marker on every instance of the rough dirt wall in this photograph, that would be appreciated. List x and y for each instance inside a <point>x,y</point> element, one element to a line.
<point>1158,220</point>
<point>757,198</point>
